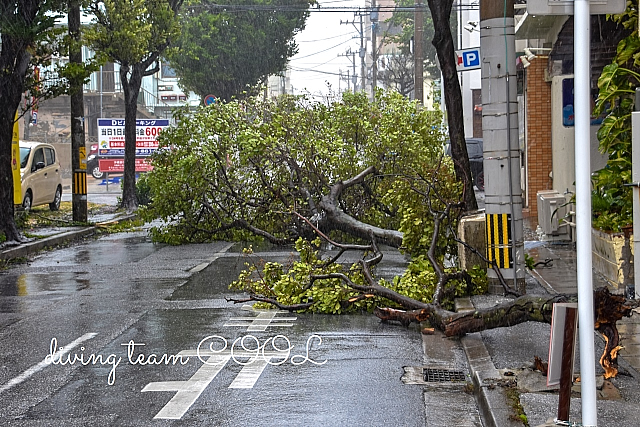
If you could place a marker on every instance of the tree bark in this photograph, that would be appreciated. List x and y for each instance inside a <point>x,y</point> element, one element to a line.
<point>14,64</point>
<point>131,78</point>
<point>529,308</point>
<point>342,221</point>
<point>79,186</point>
<point>443,42</point>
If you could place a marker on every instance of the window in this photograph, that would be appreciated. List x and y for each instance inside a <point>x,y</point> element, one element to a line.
<point>50,156</point>
<point>38,157</point>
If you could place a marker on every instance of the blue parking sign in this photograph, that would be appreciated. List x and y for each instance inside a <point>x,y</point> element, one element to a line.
<point>468,59</point>
<point>471,59</point>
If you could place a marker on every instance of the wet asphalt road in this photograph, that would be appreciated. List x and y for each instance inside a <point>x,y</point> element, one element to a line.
<point>151,322</point>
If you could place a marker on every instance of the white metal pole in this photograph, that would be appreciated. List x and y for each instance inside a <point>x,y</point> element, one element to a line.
<point>635,173</point>
<point>582,109</point>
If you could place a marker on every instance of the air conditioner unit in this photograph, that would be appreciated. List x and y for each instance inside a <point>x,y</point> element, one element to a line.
<point>552,210</point>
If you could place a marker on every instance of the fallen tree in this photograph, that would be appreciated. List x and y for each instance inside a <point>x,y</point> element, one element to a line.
<point>366,173</point>
<point>537,308</point>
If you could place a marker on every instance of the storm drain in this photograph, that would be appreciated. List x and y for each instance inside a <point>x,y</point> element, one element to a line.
<point>442,375</point>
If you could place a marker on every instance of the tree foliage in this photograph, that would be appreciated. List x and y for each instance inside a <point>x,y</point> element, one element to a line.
<point>132,33</point>
<point>242,167</point>
<point>228,50</point>
<point>288,169</point>
<point>612,201</point>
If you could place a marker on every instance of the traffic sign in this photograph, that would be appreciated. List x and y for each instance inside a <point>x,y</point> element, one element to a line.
<point>468,59</point>
<point>209,99</point>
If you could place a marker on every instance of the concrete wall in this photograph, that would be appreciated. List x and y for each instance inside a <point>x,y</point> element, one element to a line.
<point>607,253</point>
<point>472,231</point>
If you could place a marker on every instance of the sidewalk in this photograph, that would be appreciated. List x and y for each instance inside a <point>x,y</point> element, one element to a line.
<point>511,350</point>
<point>54,236</point>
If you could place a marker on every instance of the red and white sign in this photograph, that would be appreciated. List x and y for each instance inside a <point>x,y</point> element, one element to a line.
<point>111,136</point>
<point>117,165</point>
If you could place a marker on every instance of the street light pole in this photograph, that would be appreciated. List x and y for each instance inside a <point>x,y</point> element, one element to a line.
<point>582,111</point>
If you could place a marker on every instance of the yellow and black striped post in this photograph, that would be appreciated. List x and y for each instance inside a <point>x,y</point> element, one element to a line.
<point>80,183</point>
<point>499,240</point>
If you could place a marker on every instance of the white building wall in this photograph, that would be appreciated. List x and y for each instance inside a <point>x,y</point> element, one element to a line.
<point>468,11</point>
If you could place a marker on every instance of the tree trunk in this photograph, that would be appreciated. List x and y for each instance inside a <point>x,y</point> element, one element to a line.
<point>7,117</point>
<point>131,86</point>
<point>529,308</point>
<point>76,95</point>
<point>14,63</point>
<point>443,42</point>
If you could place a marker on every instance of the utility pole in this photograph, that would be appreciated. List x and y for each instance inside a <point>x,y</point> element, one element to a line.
<point>503,193</point>
<point>363,52</point>
<point>373,17</point>
<point>418,53</point>
<point>353,63</point>
<point>78,149</point>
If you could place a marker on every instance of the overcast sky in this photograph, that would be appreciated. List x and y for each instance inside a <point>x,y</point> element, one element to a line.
<point>321,43</point>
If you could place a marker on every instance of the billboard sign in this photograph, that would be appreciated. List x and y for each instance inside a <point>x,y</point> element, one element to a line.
<point>111,136</point>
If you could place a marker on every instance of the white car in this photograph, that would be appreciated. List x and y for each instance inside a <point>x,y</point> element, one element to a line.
<point>41,175</point>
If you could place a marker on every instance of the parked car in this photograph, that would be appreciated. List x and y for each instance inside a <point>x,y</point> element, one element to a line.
<point>93,166</point>
<point>41,175</point>
<point>93,162</point>
<point>476,160</point>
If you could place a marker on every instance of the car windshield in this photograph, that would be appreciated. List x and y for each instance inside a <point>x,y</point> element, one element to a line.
<point>24,156</point>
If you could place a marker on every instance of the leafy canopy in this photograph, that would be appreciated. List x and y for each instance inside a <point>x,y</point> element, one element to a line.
<point>227,51</point>
<point>241,167</point>
<point>238,169</point>
<point>130,31</point>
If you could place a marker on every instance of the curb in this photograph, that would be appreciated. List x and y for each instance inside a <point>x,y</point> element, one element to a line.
<point>29,248</point>
<point>494,408</point>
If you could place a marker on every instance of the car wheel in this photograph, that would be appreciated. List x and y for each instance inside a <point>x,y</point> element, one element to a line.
<point>96,173</point>
<point>26,203</point>
<point>55,205</point>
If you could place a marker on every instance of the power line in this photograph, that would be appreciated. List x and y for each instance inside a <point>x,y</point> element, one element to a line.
<point>230,8</point>
<point>324,50</point>
<point>315,71</point>
<point>328,38</point>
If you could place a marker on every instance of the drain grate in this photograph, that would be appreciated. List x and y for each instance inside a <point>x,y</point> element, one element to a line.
<point>442,375</point>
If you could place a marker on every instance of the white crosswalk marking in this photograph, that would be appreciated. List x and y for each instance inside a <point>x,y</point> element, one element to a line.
<point>254,363</point>
<point>188,391</point>
<point>249,374</point>
<point>262,321</point>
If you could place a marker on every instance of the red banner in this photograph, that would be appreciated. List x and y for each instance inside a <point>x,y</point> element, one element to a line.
<point>117,165</point>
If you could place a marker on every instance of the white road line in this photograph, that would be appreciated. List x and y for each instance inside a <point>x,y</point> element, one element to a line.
<point>40,366</point>
<point>261,322</point>
<point>250,373</point>
<point>188,391</point>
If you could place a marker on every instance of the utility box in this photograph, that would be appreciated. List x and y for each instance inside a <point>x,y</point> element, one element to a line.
<point>553,208</point>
